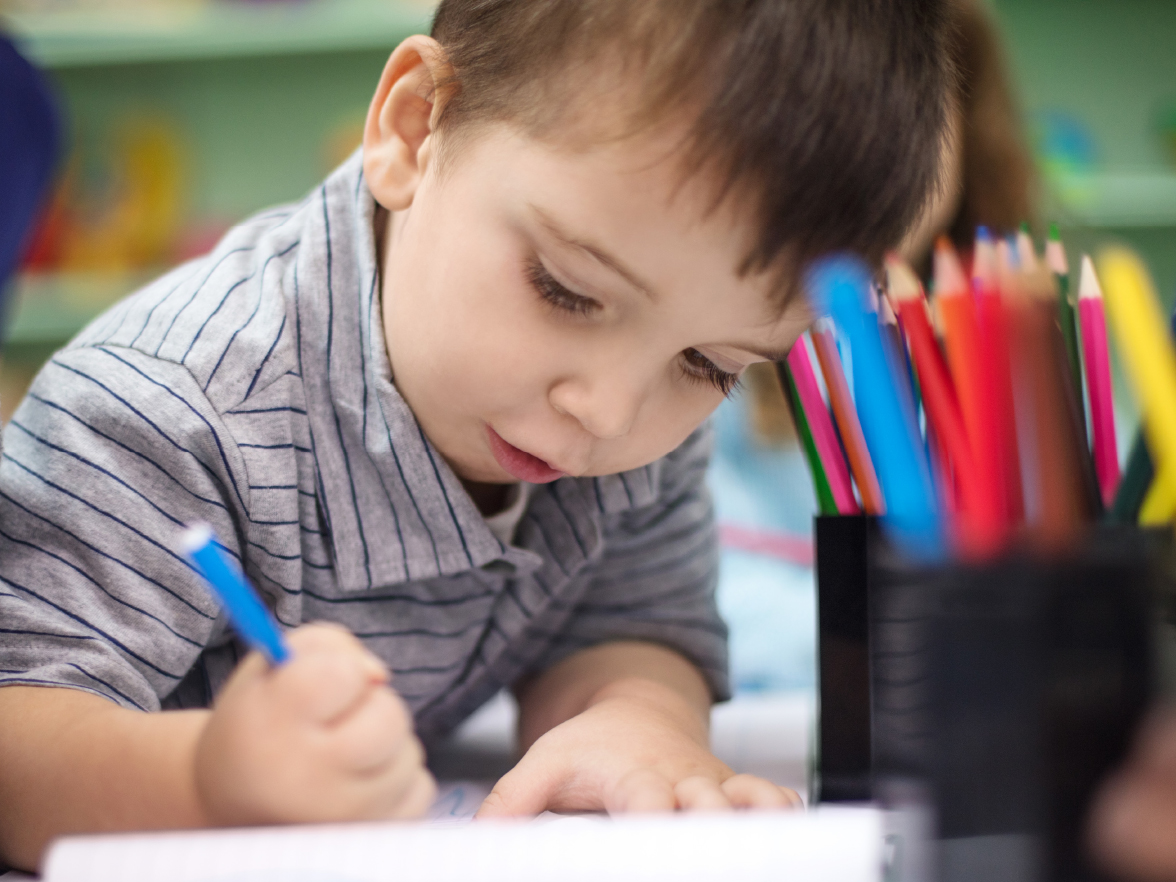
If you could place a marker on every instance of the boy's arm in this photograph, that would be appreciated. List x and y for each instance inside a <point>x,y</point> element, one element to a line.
<point>320,738</point>
<point>73,762</point>
<point>639,672</point>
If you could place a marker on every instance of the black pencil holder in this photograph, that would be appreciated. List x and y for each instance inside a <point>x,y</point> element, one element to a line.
<point>1000,694</point>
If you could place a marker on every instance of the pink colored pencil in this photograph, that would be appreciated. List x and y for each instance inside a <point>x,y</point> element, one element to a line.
<point>821,425</point>
<point>846,416</point>
<point>1098,381</point>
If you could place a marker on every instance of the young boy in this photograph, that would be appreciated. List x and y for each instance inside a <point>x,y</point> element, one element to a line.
<point>451,403</point>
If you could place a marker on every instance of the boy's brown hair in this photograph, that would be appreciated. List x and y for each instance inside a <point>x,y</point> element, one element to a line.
<point>828,114</point>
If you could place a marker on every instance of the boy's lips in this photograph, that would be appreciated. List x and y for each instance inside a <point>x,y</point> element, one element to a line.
<point>519,463</point>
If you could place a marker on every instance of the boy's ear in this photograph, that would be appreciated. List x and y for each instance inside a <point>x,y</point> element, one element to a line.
<point>397,137</point>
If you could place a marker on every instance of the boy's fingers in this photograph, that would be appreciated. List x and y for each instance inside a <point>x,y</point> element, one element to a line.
<point>701,794</point>
<point>404,791</point>
<point>376,732</point>
<point>1132,827</point>
<point>322,687</point>
<point>518,793</point>
<point>641,790</point>
<point>748,791</point>
<point>328,637</point>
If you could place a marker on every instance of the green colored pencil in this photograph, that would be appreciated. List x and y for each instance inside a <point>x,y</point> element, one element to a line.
<point>825,502</point>
<point>1137,480</point>
<point>1055,255</point>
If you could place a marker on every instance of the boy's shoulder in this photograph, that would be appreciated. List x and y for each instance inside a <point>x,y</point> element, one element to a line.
<point>231,317</point>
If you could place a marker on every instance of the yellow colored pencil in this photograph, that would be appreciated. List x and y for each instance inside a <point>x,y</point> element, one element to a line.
<point>1146,349</point>
<point>1158,506</point>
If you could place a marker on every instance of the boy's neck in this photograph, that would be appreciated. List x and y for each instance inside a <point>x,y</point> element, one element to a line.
<point>489,498</point>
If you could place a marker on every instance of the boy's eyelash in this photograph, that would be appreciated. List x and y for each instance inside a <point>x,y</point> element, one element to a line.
<point>556,294</point>
<point>702,369</point>
<point>698,367</point>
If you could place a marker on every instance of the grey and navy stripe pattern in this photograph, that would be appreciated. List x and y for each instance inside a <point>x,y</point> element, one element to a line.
<point>251,389</point>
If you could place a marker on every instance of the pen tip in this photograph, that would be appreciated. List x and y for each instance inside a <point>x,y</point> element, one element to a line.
<point>195,536</point>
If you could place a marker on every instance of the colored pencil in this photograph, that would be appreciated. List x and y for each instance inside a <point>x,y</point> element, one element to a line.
<point>1054,449</point>
<point>839,286</point>
<point>941,405</point>
<point>1159,505</point>
<point>856,450</point>
<point>996,372</point>
<point>821,426</point>
<point>1137,478</point>
<point>1026,251</point>
<point>987,522</point>
<point>1147,352</point>
<point>1059,265</point>
<point>824,495</point>
<point>1098,381</point>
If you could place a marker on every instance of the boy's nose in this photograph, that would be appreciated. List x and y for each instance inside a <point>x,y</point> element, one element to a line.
<point>606,409</point>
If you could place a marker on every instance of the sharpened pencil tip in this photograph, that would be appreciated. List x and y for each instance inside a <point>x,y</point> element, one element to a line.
<point>1088,285</point>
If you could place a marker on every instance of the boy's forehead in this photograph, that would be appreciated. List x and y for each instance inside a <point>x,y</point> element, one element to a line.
<point>648,177</point>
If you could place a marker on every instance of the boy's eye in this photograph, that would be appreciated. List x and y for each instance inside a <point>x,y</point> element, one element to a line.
<point>556,294</point>
<point>701,368</point>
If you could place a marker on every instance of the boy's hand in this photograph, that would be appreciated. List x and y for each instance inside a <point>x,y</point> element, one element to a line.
<point>1134,816</point>
<point>319,738</point>
<point>626,755</point>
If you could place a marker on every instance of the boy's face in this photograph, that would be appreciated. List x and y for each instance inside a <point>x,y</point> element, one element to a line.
<point>550,311</point>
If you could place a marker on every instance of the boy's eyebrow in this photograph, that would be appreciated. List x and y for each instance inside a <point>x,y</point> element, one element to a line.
<point>594,251</point>
<point>771,354</point>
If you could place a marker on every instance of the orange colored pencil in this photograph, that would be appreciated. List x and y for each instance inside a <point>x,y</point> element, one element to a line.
<point>847,419</point>
<point>984,528</point>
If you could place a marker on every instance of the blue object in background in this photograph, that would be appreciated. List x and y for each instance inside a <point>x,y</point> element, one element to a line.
<point>768,604</point>
<point>30,140</point>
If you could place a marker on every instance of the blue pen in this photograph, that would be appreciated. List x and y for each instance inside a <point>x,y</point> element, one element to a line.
<point>839,286</point>
<point>251,619</point>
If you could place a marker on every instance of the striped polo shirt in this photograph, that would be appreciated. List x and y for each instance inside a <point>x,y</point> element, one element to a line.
<point>251,389</point>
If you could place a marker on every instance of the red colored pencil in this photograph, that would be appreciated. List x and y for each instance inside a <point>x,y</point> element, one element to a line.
<point>996,372</point>
<point>944,418</point>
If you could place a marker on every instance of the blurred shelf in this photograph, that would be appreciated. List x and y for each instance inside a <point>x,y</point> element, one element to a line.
<point>187,30</point>
<point>49,308</point>
<point>1122,199</point>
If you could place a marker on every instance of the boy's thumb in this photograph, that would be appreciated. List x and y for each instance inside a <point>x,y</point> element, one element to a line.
<point>518,793</point>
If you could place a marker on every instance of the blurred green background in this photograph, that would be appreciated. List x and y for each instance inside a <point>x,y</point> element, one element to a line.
<point>246,104</point>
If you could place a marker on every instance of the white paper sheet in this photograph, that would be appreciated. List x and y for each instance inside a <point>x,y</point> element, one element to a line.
<point>828,845</point>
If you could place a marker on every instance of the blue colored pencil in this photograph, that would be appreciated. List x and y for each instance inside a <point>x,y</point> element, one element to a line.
<point>839,286</point>
<point>249,616</point>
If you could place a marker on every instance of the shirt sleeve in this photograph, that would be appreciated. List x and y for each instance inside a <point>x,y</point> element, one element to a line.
<point>657,578</point>
<point>109,456</point>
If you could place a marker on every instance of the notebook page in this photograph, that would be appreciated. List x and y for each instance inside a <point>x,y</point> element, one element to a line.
<point>827,845</point>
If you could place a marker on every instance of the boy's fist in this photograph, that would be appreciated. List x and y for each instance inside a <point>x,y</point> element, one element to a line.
<point>320,738</point>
